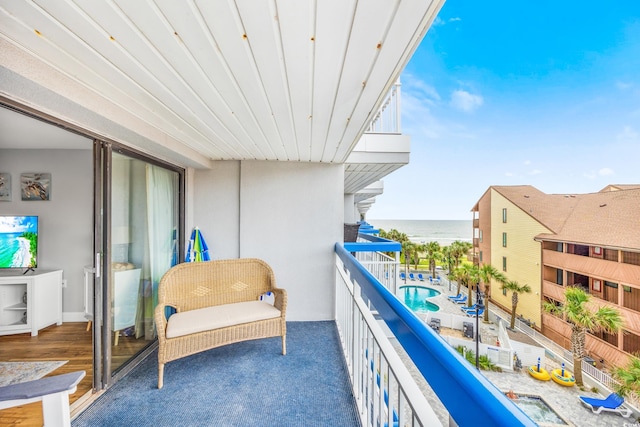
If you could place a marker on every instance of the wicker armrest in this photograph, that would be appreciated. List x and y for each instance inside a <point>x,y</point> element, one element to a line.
<point>160,317</point>
<point>280,300</point>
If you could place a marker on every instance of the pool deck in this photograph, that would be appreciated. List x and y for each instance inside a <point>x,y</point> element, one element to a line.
<point>564,400</point>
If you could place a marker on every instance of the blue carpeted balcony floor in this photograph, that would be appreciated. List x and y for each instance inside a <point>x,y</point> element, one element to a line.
<point>243,384</point>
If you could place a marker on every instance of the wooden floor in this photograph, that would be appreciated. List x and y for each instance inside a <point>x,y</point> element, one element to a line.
<point>69,341</point>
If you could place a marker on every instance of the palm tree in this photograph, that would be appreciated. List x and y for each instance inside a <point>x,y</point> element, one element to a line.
<point>466,274</point>
<point>583,319</point>
<point>473,275</point>
<point>488,273</point>
<point>628,377</point>
<point>417,250</point>
<point>447,258</point>
<point>433,252</point>
<point>516,288</point>
<point>458,250</point>
<point>408,247</point>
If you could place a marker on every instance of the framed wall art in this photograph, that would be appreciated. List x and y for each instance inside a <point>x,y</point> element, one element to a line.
<point>5,187</point>
<point>35,186</point>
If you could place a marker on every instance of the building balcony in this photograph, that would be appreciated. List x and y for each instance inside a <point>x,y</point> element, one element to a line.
<point>383,391</point>
<point>588,266</point>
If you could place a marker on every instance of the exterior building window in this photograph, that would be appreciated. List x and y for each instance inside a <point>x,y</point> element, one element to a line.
<point>504,240</point>
<point>560,247</point>
<point>504,263</point>
<point>559,277</point>
<point>480,256</point>
<point>596,286</point>
<point>504,215</point>
<point>597,250</point>
<point>480,235</point>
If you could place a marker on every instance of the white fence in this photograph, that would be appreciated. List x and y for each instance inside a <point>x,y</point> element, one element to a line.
<point>499,355</point>
<point>374,365</point>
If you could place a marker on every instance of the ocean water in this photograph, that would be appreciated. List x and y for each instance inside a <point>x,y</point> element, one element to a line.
<point>9,245</point>
<point>444,232</point>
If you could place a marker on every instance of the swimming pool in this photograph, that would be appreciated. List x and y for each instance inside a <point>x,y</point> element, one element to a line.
<point>416,298</point>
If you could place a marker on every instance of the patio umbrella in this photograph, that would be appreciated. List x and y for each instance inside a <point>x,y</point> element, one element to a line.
<point>198,249</point>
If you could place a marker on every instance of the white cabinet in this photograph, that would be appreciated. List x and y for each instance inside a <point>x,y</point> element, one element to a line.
<point>30,302</point>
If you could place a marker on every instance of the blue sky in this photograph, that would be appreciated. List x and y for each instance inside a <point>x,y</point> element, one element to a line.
<point>544,93</point>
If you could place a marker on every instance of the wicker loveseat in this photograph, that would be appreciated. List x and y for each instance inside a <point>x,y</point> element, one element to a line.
<point>217,303</point>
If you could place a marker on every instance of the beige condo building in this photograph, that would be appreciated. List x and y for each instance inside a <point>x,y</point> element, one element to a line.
<point>551,241</point>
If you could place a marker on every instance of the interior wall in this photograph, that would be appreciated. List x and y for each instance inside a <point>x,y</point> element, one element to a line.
<point>65,222</point>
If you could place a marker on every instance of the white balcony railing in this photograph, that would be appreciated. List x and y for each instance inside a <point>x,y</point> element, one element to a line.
<point>382,266</point>
<point>374,364</point>
<point>385,392</point>
<point>387,120</point>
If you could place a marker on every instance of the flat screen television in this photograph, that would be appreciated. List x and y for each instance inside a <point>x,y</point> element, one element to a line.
<point>18,241</point>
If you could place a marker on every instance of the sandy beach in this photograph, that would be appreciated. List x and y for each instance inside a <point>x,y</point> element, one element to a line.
<point>22,257</point>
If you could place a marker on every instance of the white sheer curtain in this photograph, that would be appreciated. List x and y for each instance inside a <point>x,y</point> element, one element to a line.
<point>161,223</point>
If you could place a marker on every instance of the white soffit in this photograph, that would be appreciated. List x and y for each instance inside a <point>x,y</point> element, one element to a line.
<point>287,80</point>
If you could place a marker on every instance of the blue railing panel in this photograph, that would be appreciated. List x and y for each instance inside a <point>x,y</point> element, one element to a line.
<point>469,397</point>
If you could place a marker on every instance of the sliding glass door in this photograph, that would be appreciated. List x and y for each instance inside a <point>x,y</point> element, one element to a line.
<point>141,222</point>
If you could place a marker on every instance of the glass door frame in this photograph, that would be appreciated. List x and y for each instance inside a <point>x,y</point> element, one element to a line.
<point>102,328</point>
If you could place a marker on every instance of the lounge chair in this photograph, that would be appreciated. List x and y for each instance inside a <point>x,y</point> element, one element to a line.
<point>412,276</point>
<point>420,277</point>
<point>435,281</point>
<point>466,308</point>
<point>613,403</point>
<point>462,300</point>
<point>403,276</point>
<point>473,313</point>
<point>451,297</point>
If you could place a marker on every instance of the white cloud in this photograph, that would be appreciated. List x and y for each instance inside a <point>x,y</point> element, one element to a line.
<point>535,172</point>
<point>508,174</point>
<point>465,101</point>
<point>527,162</point>
<point>606,172</point>
<point>624,85</point>
<point>419,89</point>
<point>628,133</point>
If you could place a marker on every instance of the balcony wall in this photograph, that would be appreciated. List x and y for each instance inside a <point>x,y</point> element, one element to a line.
<point>552,290</point>
<point>614,271</point>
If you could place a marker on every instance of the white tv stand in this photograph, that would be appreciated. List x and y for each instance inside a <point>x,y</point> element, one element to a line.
<point>42,290</point>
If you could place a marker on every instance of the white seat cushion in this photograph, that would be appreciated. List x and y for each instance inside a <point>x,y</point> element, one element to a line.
<point>219,316</point>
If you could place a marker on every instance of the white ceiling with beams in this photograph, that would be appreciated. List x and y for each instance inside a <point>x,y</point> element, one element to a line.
<point>286,80</point>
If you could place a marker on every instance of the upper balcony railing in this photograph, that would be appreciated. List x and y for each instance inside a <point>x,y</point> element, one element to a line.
<point>385,394</point>
<point>387,120</point>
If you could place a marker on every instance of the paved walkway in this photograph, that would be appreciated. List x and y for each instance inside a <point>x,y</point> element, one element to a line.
<point>564,400</point>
